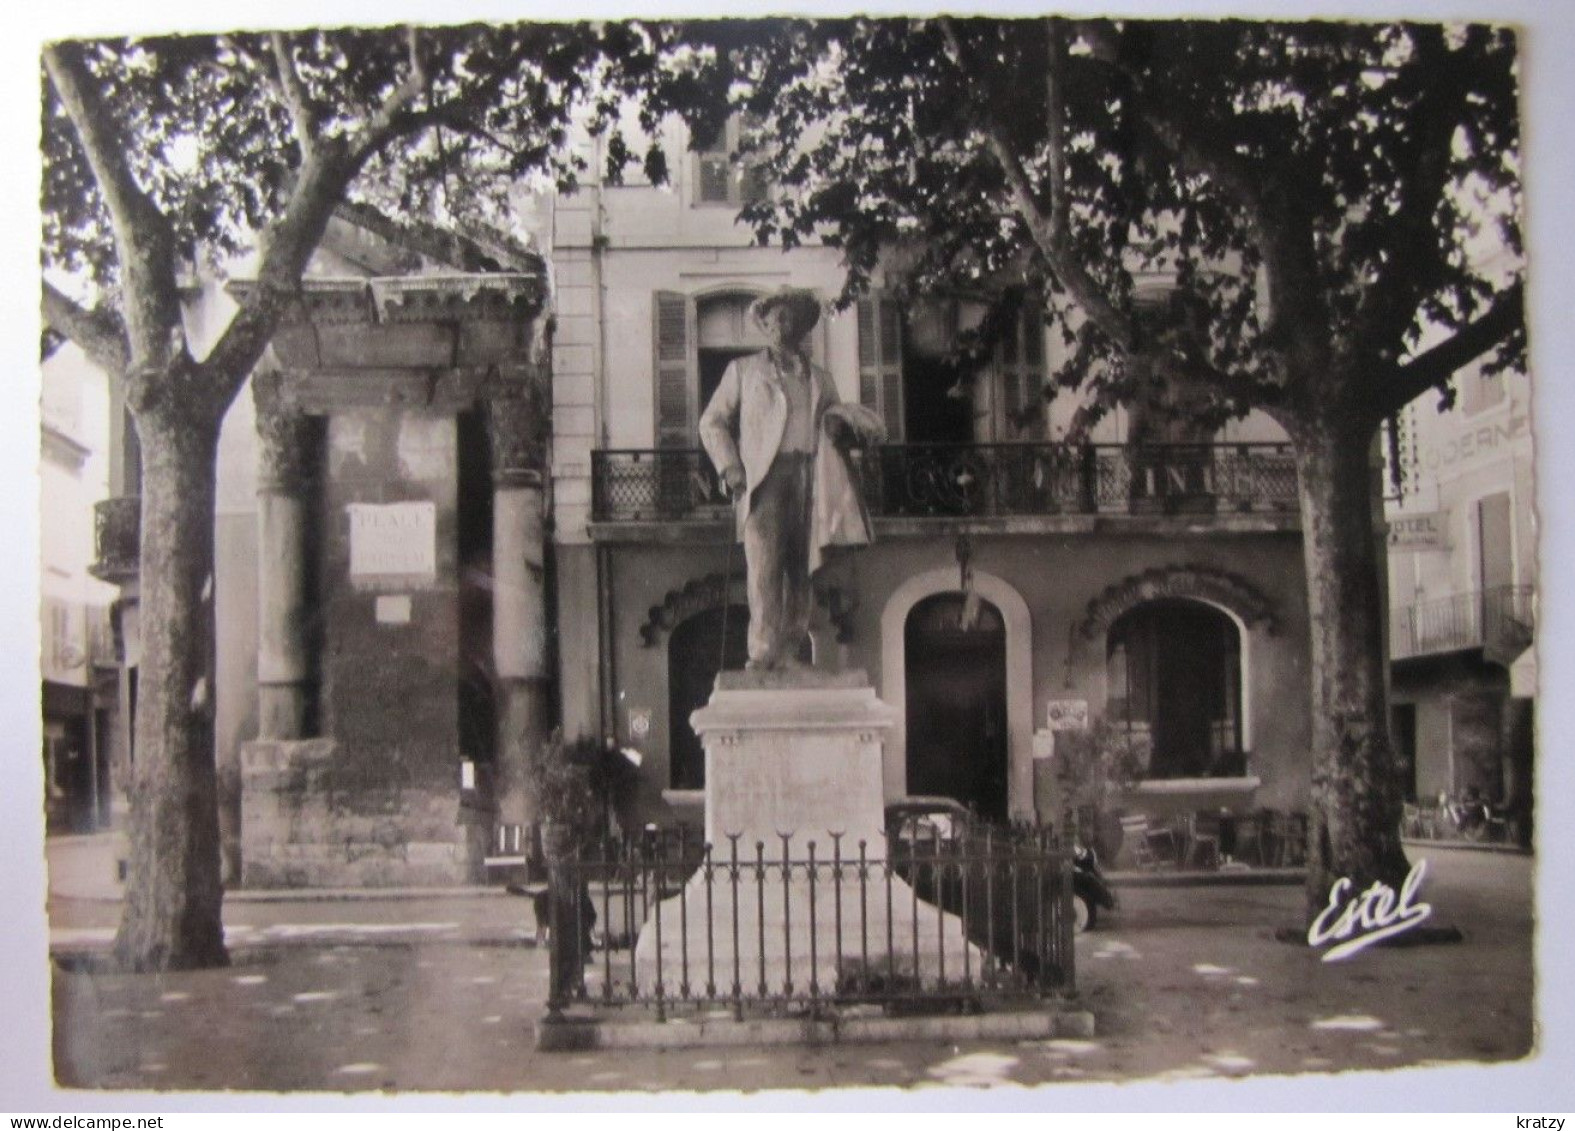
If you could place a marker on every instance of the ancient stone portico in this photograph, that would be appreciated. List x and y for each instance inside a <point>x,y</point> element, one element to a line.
<point>386,543</point>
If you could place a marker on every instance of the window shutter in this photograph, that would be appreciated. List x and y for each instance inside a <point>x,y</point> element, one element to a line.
<point>880,361</point>
<point>1022,365</point>
<point>674,412</point>
<point>891,367</point>
<point>1011,375</point>
<point>869,356</point>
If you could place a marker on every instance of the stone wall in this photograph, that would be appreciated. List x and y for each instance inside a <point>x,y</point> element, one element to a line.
<point>309,820</point>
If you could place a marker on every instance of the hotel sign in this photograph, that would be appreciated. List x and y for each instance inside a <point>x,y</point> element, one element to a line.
<point>1427,531</point>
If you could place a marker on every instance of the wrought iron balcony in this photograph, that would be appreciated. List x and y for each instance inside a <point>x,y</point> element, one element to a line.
<point>117,539</point>
<point>1499,620</point>
<point>979,480</point>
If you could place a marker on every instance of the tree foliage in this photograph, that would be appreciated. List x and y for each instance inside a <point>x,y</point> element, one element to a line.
<point>164,153</point>
<point>215,130</point>
<point>1317,220</point>
<point>1331,189</point>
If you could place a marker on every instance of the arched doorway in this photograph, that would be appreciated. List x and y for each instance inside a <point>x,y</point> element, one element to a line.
<point>1174,669</point>
<point>696,652</point>
<point>956,719</point>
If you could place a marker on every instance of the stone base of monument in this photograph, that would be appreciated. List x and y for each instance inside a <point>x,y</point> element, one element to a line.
<point>793,758</point>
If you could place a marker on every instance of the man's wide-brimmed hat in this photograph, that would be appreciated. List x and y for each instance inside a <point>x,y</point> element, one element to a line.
<point>803,305</point>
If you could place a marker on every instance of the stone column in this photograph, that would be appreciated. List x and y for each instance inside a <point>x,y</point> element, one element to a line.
<point>516,422</point>
<point>288,459</point>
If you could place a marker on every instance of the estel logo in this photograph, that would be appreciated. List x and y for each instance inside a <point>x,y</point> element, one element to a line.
<point>1374,915</point>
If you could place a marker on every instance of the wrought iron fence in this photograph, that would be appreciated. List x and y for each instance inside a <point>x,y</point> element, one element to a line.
<point>117,538</point>
<point>1478,618</point>
<point>916,923</point>
<point>980,480</point>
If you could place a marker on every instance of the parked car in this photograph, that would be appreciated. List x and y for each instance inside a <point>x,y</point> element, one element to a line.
<point>920,829</point>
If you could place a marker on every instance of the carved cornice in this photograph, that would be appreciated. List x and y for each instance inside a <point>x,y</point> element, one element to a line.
<point>480,297</point>
<point>711,591</point>
<point>1203,583</point>
<point>697,596</point>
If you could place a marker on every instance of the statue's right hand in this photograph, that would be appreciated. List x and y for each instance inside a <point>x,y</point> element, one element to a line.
<point>734,478</point>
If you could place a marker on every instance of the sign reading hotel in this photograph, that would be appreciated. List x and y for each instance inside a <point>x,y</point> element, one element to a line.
<point>393,541</point>
<point>1419,531</point>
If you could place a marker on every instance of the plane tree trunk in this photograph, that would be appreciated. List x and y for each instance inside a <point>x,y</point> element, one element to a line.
<point>171,917</point>
<point>1354,815</point>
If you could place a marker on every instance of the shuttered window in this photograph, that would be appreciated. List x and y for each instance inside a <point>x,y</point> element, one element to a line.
<point>675,410</point>
<point>1020,360</point>
<point>880,361</point>
<point>722,176</point>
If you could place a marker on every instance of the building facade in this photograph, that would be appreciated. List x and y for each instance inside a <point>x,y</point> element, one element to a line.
<point>410,583</point>
<point>79,693</point>
<point>1155,584</point>
<point>1463,583</point>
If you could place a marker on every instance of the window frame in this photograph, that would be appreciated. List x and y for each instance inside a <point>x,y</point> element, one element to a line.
<point>741,172</point>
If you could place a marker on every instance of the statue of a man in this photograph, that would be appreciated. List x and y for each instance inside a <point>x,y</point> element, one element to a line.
<point>775,430</point>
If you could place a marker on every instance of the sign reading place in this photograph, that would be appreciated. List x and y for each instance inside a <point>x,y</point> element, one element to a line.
<point>393,540</point>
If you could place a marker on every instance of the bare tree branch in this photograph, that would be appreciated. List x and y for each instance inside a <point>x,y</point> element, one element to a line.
<point>396,115</point>
<point>286,250</point>
<point>1432,368</point>
<point>1416,257</point>
<point>1052,238</point>
<point>1283,236</point>
<point>99,333</point>
<point>304,113</point>
<point>144,243</point>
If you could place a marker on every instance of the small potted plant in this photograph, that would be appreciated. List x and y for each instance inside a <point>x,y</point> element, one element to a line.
<point>1092,768</point>
<point>571,815</point>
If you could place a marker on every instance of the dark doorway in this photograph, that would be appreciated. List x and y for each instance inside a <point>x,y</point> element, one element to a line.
<point>695,653</point>
<point>714,363</point>
<point>956,718</point>
<point>1402,733</point>
<point>1175,674</point>
<point>937,407</point>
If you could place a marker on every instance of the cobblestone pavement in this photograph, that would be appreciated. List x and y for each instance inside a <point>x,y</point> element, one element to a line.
<point>441,994</point>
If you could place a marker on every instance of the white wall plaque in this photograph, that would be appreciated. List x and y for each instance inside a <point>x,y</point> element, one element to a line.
<point>393,610</point>
<point>1068,714</point>
<point>393,540</point>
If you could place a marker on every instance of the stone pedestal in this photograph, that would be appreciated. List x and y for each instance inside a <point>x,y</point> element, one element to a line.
<point>795,755</point>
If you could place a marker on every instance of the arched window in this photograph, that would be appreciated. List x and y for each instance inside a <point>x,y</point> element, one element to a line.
<point>1174,680</point>
<point>702,646</point>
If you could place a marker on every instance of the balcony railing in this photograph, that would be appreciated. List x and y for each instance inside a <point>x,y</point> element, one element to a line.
<point>1501,619</point>
<point>117,539</point>
<point>980,480</point>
